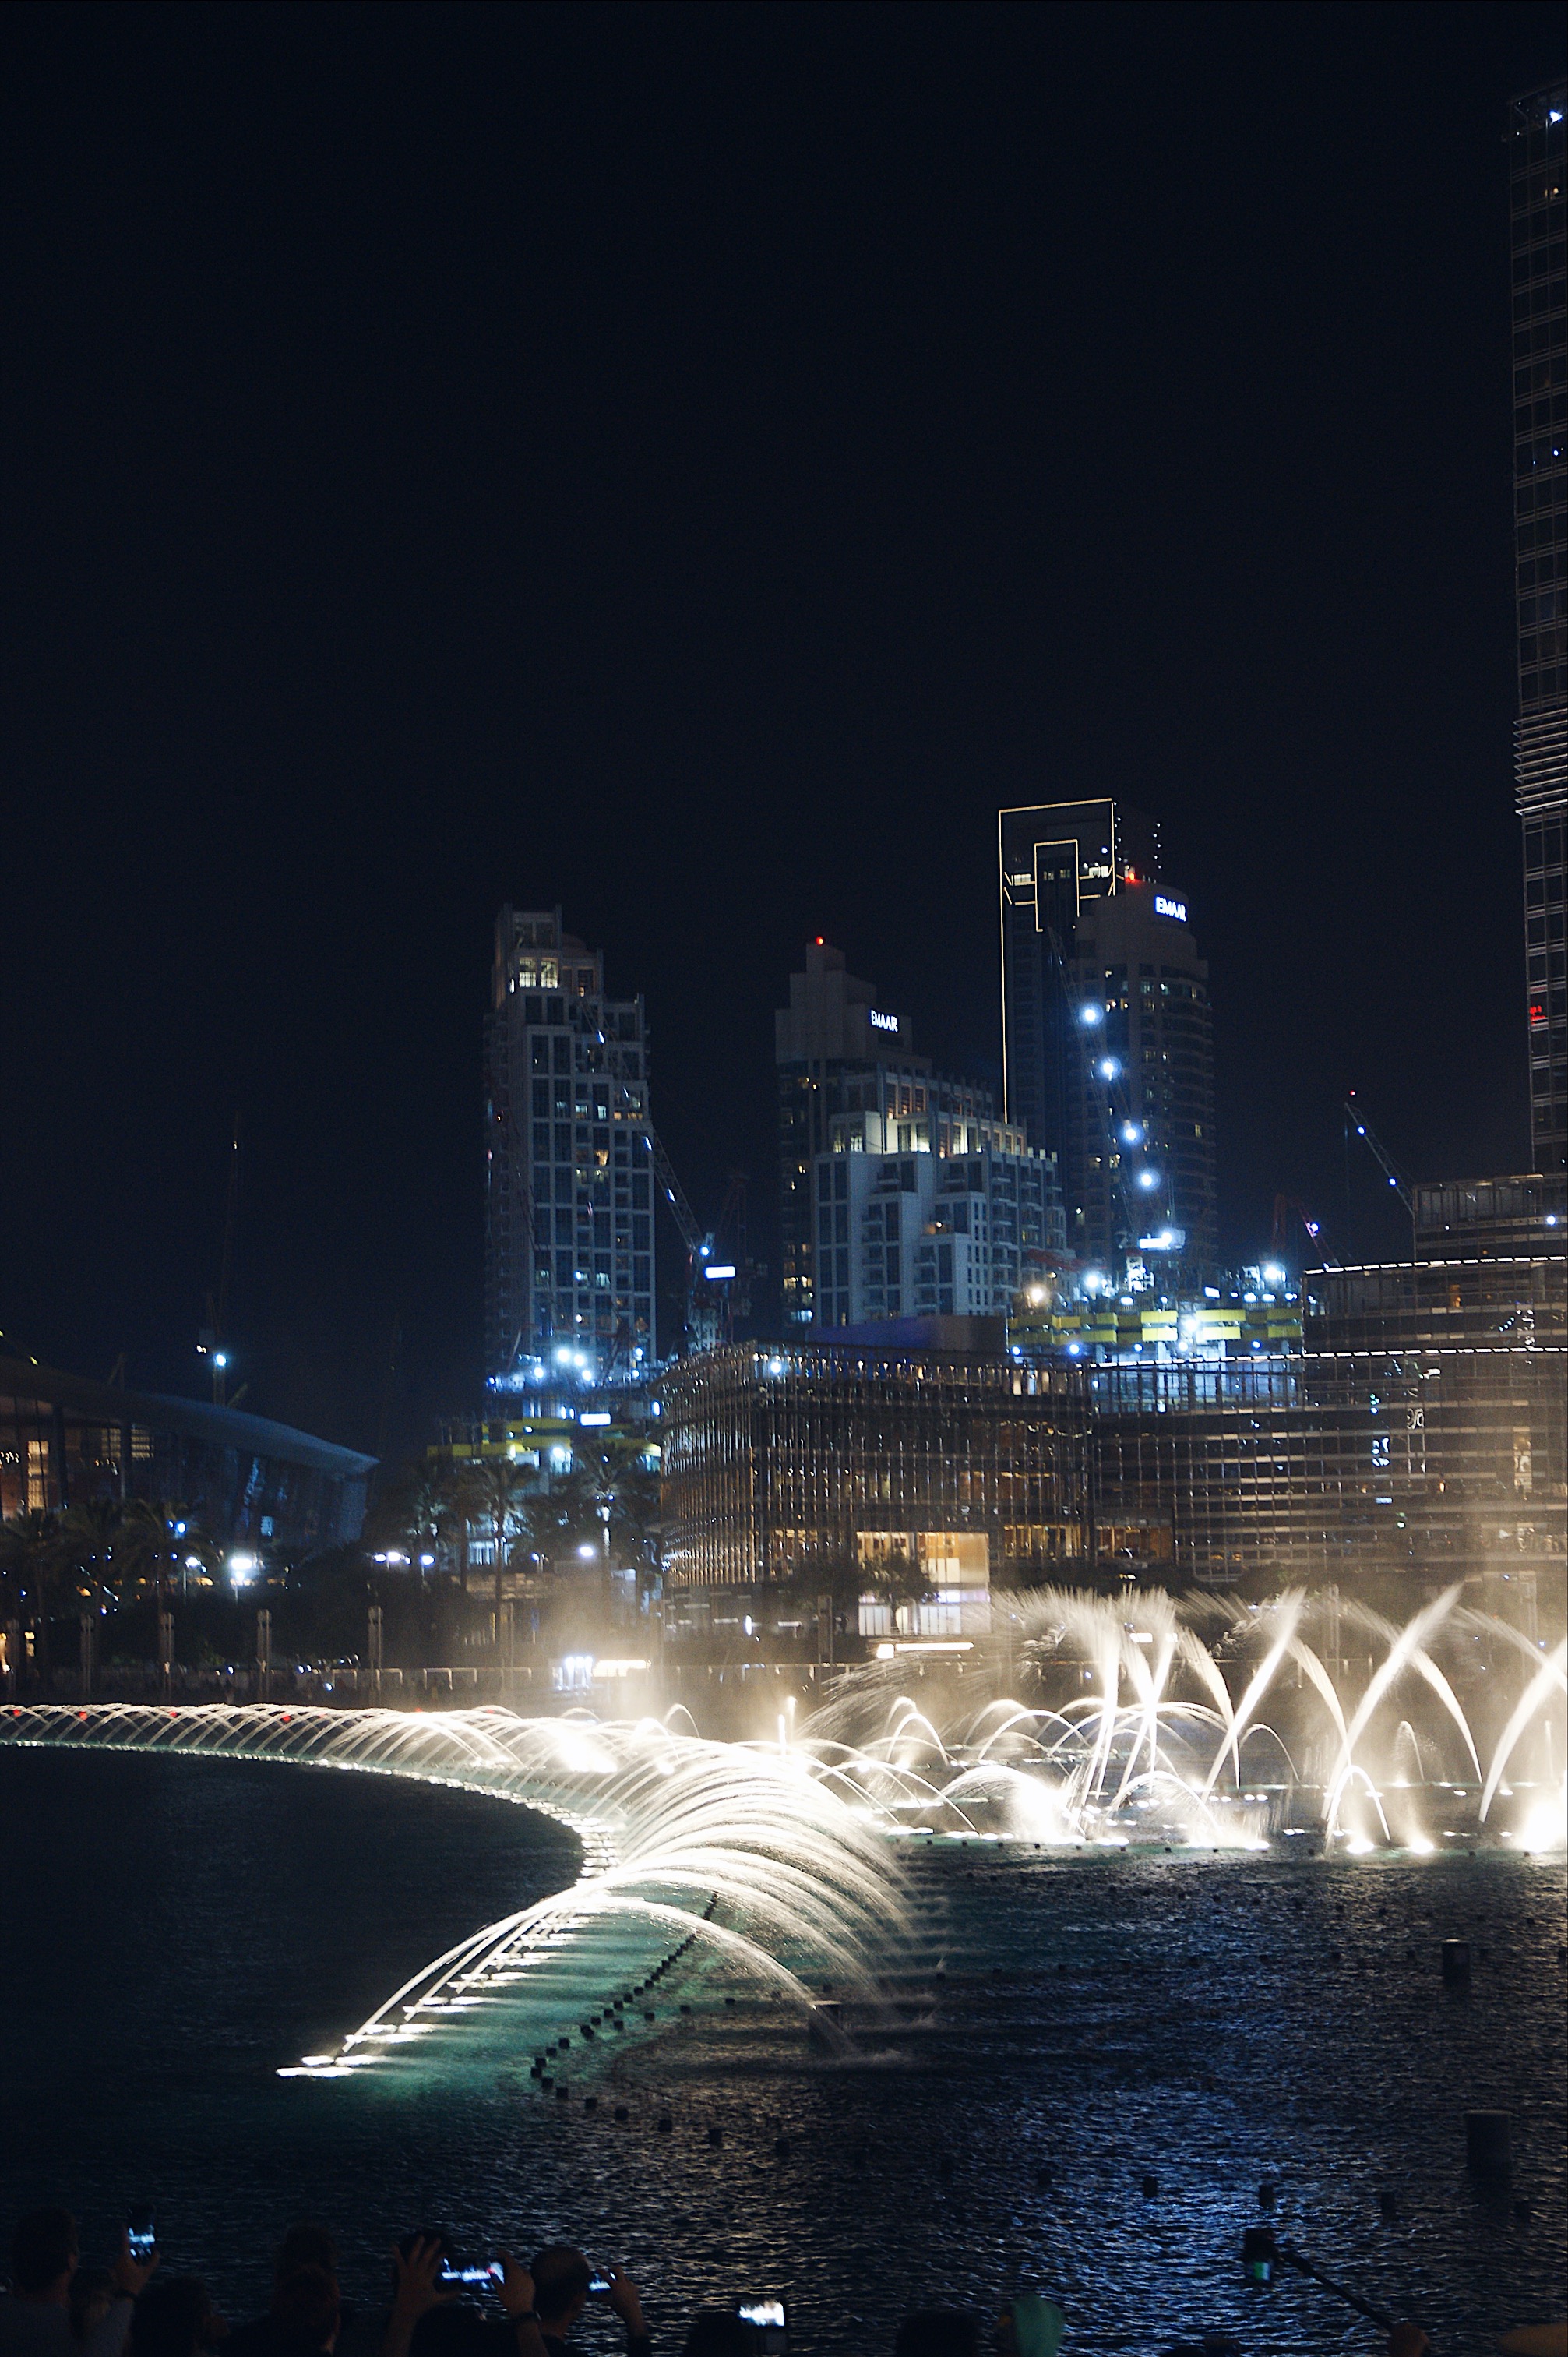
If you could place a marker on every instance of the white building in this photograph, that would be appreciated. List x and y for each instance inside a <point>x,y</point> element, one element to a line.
<point>911,1226</point>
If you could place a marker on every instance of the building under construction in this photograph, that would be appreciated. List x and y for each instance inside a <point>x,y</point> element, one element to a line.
<point>1416,1430</point>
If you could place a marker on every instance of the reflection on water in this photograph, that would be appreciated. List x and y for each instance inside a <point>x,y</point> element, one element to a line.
<point>178,1928</point>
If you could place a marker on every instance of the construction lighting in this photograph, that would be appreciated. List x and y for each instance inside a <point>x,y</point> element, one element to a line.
<point>1132,1132</point>
<point>1147,1179</point>
<point>719,1271</point>
<point>1109,1068</point>
<point>1090,1013</point>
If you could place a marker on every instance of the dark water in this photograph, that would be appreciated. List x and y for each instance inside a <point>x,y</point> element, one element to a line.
<point>175,1928</point>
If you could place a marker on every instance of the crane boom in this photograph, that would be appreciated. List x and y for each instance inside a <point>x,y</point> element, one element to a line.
<point>1384,1159</point>
<point>692,1235</point>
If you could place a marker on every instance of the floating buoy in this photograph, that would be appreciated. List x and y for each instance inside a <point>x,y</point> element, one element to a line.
<point>781,2148</point>
<point>716,2135</point>
<point>1149,2185</point>
<point>665,2123</point>
<point>1456,1960</point>
<point>621,2112</point>
<point>1266,2194</point>
<point>590,2102</point>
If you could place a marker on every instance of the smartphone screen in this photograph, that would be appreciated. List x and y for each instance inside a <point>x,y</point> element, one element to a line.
<point>600,2286</point>
<point>761,2311</point>
<point>469,2274</point>
<point>139,2235</point>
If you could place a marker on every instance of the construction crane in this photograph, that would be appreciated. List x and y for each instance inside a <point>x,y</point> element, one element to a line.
<point>717,1286</point>
<point>1381,1155</point>
<point>1288,1211</point>
<point>212,1342</point>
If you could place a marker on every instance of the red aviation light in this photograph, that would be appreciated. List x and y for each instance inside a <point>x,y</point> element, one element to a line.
<point>1537,1012</point>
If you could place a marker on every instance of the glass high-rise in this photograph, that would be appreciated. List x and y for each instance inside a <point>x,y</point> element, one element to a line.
<point>1538,224</point>
<point>1107,1048</point>
<point>568,1161</point>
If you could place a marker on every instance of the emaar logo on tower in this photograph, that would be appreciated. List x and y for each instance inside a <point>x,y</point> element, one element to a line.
<point>882,1022</point>
<point>1177,909</point>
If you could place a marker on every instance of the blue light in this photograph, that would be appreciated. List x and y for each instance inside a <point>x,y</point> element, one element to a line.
<point>1132,1132</point>
<point>1109,1068</point>
<point>1090,1013</point>
<point>1148,1177</point>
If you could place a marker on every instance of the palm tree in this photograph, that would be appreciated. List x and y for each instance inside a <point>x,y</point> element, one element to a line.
<point>492,1490</point>
<point>30,1562</point>
<point>901,1579</point>
<point>85,1543</point>
<point>417,1509</point>
<point>156,1537</point>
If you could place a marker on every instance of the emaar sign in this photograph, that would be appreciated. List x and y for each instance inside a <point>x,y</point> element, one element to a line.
<point>1177,909</point>
<point>882,1022</point>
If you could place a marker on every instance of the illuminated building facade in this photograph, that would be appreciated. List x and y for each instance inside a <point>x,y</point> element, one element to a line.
<point>1108,1053</point>
<point>1415,1431</point>
<point>949,1233</point>
<point>775,1460</point>
<point>845,1069</point>
<point>1140,1175</point>
<point>569,1250</point>
<point>1539,218</point>
<point>65,1441</point>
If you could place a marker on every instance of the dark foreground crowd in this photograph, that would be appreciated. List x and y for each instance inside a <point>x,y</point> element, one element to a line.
<point>57,2308</point>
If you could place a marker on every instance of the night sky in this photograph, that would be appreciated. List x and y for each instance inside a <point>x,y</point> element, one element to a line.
<point>693,465</point>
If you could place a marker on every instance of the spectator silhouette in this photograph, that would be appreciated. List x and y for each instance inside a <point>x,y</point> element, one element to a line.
<point>36,2315</point>
<point>306,2247</point>
<point>174,2318</point>
<point>939,2333</point>
<point>561,2280</point>
<point>718,2332</point>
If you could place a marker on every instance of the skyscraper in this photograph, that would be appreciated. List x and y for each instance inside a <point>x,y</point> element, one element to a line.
<point>1140,1131</point>
<point>1539,223</point>
<point>568,1162</point>
<point>1107,1047</point>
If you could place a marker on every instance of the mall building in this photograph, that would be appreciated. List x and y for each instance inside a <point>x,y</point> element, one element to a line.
<point>65,1440</point>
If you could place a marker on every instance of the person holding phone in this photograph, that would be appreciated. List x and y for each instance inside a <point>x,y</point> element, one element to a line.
<point>564,2283</point>
<point>35,2316</point>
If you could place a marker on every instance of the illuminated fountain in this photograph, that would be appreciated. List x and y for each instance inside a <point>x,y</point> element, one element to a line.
<point>1203,1723</point>
<point>726,1846</point>
<point>1207,1722</point>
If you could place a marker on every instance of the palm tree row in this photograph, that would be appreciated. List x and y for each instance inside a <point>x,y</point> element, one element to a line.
<point>529,1520</point>
<point>105,1552</point>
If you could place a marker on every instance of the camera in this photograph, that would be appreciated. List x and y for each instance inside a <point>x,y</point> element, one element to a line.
<point>769,2321</point>
<point>1260,2255</point>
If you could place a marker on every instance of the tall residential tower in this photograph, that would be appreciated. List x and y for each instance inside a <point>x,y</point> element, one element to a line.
<point>568,1161</point>
<point>1108,1058</point>
<point>1540,543</point>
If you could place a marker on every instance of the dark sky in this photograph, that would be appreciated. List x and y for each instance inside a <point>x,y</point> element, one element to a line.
<point>692,464</point>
